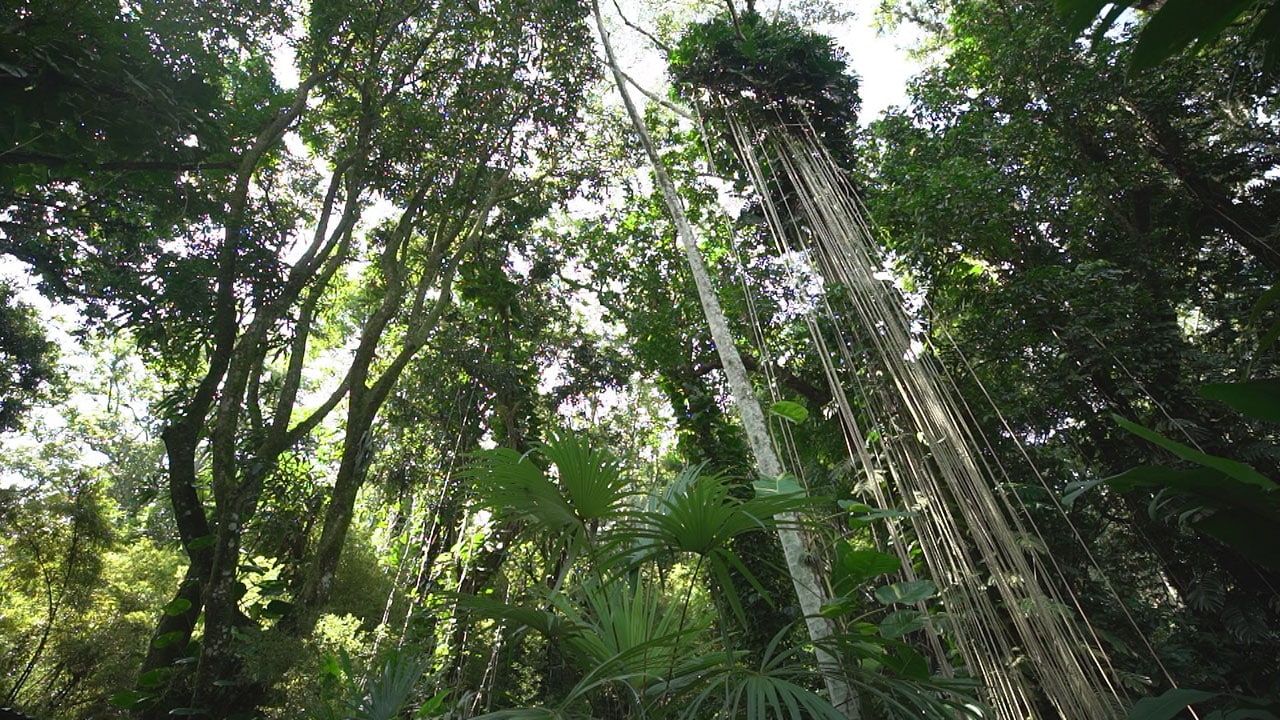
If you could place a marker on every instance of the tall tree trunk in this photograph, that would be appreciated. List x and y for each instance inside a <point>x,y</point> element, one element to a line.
<point>809,587</point>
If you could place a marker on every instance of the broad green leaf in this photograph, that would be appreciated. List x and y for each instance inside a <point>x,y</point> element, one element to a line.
<point>331,667</point>
<point>784,485</point>
<point>1179,22</point>
<point>1242,516</point>
<point>510,483</point>
<point>1209,485</point>
<point>168,639</point>
<point>1258,399</point>
<point>861,514</point>
<point>1167,706</point>
<point>839,606</point>
<point>1074,490</point>
<point>1267,299</point>
<point>277,609</point>
<point>789,411</point>
<point>153,678</point>
<point>203,541</point>
<point>854,567</point>
<point>1245,714</point>
<point>907,662</point>
<point>130,699</point>
<point>899,623</point>
<point>1237,470</point>
<point>1255,535</point>
<point>1080,13</point>
<point>547,623</point>
<point>1267,31</point>
<point>177,606</point>
<point>432,705</point>
<point>911,591</point>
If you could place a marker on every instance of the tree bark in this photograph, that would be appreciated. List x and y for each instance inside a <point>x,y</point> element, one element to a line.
<point>809,587</point>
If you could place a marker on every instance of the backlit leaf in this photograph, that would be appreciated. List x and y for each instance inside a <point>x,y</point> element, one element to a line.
<point>1256,398</point>
<point>908,592</point>
<point>897,624</point>
<point>789,411</point>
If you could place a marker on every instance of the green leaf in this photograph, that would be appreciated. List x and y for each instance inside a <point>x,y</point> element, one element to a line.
<point>907,662</point>
<point>177,606</point>
<point>277,609</point>
<point>521,714</point>
<point>130,699</point>
<point>861,514</point>
<point>1074,490</point>
<point>1178,22</point>
<point>790,411</point>
<point>1268,298</point>
<point>784,485</point>
<point>203,541</point>
<point>897,624</point>
<point>1267,32</point>
<point>854,567</point>
<point>1167,706</point>
<point>1254,535</point>
<point>168,639</point>
<point>510,483</point>
<point>1209,485</point>
<point>330,667</point>
<point>592,479</point>
<point>1080,13</point>
<point>432,705</point>
<point>1258,399</point>
<point>153,678</point>
<point>1238,514</point>
<point>547,623</point>
<point>838,607</point>
<point>1237,470</point>
<point>911,591</point>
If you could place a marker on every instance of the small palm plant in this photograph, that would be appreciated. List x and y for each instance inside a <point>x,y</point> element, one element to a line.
<point>380,693</point>
<point>646,645</point>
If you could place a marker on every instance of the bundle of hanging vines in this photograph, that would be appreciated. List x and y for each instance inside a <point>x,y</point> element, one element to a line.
<point>774,72</point>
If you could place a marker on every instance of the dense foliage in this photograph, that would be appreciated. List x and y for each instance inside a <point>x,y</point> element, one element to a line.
<point>773,68</point>
<point>393,394</point>
<point>29,359</point>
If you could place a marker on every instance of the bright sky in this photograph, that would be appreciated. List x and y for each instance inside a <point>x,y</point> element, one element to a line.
<point>881,61</point>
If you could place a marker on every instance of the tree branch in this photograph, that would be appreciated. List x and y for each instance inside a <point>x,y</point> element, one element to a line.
<point>648,35</point>
<point>659,99</point>
<point>54,161</point>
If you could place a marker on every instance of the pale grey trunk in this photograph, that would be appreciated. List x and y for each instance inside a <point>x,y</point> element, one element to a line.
<point>808,584</point>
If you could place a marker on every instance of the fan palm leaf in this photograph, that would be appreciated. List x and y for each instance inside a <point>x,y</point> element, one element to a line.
<point>591,478</point>
<point>512,485</point>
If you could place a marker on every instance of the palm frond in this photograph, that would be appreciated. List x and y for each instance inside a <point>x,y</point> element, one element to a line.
<point>757,694</point>
<point>532,713</point>
<point>591,478</point>
<point>384,691</point>
<point>549,624</point>
<point>513,486</point>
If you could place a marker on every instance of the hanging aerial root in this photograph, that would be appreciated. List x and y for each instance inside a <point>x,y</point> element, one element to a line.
<point>1013,628</point>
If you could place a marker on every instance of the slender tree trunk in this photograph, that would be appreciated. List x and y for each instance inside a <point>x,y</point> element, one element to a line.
<point>809,586</point>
